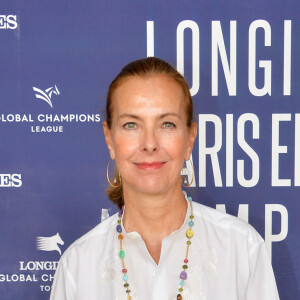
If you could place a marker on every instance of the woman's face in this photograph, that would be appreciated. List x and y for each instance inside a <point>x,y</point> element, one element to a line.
<point>149,138</point>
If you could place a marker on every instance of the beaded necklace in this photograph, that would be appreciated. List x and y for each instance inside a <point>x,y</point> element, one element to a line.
<point>183,274</point>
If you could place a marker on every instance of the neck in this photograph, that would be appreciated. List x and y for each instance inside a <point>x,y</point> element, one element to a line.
<point>154,216</point>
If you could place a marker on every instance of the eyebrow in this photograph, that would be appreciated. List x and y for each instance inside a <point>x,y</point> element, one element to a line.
<point>160,117</point>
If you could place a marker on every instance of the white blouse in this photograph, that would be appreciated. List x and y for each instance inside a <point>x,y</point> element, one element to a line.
<point>227,261</point>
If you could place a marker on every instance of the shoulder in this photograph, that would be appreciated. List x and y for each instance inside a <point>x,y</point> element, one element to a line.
<point>228,226</point>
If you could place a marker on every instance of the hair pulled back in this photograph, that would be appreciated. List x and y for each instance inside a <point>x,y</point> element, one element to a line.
<point>143,68</point>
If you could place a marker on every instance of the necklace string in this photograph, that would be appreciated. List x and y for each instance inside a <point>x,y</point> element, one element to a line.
<point>183,274</point>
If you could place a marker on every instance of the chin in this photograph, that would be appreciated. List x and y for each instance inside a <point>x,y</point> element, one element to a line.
<point>148,186</point>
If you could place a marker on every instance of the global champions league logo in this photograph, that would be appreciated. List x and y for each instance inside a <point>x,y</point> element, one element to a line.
<point>40,272</point>
<point>48,122</point>
<point>49,243</point>
<point>47,94</point>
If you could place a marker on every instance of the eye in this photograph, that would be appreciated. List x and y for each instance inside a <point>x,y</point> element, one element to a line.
<point>129,125</point>
<point>169,125</point>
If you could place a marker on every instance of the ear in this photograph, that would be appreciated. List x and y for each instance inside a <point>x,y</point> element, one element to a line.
<point>192,138</point>
<point>108,139</point>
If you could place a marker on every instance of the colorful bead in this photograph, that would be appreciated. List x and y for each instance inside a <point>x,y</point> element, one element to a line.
<point>191,217</point>
<point>185,267</point>
<point>119,221</point>
<point>190,198</point>
<point>191,223</point>
<point>183,275</point>
<point>189,233</point>
<point>181,282</point>
<point>186,260</point>
<point>126,284</point>
<point>124,270</point>
<point>180,290</point>
<point>128,291</point>
<point>120,237</point>
<point>188,242</point>
<point>120,213</point>
<point>125,277</point>
<point>122,254</point>
<point>119,228</point>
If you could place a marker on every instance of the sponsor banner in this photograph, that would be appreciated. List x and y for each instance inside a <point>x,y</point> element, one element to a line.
<point>57,59</point>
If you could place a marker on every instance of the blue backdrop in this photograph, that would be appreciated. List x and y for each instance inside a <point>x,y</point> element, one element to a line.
<point>57,59</point>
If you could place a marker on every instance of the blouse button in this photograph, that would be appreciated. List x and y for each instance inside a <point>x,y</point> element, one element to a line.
<point>132,236</point>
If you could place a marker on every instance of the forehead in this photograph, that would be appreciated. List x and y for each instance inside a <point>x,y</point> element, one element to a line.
<point>155,94</point>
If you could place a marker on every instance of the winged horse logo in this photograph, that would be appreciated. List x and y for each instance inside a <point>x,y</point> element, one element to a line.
<point>47,94</point>
<point>49,243</point>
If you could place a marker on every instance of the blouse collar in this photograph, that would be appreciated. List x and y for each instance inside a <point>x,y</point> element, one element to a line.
<point>135,234</point>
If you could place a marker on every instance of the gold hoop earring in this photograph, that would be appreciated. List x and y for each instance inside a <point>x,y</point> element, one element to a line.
<point>185,181</point>
<point>115,180</point>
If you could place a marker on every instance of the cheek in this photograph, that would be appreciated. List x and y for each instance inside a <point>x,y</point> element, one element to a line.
<point>125,146</point>
<point>175,146</point>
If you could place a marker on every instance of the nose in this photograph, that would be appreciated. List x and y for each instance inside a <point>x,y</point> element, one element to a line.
<point>149,141</point>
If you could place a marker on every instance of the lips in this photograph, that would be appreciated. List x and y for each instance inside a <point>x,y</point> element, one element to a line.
<point>150,165</point>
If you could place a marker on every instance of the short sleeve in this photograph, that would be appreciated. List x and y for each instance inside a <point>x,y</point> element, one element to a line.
<point>64,286</point>
<point>262,284</point>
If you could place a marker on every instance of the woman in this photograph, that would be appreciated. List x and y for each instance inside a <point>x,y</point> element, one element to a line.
<point>161,245</point>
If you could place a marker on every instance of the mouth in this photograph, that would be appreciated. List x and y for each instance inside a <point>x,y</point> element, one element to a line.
<point>150,165</point>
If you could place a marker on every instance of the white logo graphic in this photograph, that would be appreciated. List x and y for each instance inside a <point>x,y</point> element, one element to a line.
<point>8,22</point>
<point>46,96</point>
<point>104,214</point>
<point>49,243</point>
